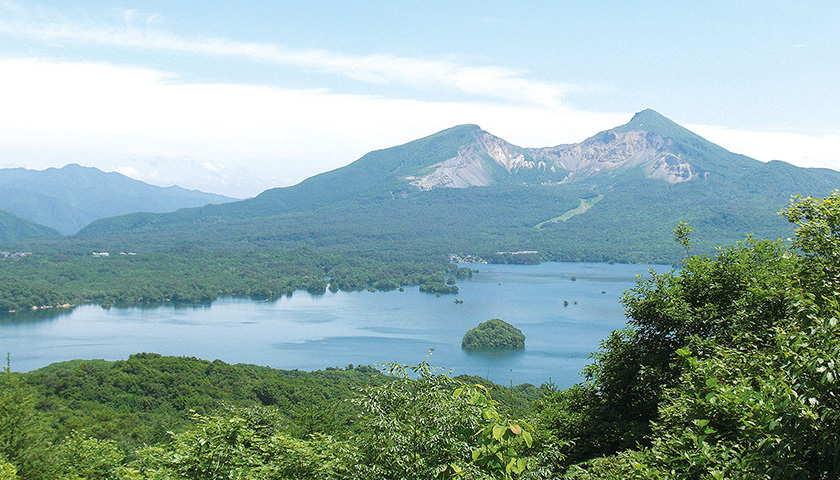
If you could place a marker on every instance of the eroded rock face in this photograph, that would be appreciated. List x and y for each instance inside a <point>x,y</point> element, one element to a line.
<point>672,169</point>
<point>472,167</point>
<point>505,154</point>
<point>620,151</point>
<point>611,152</point>
<point>467,169</point>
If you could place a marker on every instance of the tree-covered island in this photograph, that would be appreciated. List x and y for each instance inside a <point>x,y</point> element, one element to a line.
<point>727,369</point>
<point>494,333</point>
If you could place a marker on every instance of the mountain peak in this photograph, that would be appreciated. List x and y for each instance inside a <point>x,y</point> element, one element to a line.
<point>649,115</point>
<point>465,129</point>
<point>649,120</point>
<point>652,121</point>
<point>466,126</point>
<point>76,166</point>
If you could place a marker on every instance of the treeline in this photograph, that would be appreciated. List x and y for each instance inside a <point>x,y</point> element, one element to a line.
<point>262,249</point>
<point>135,401</point>
<point>478,221</point>
<point>728,368</point>
<point>170,417</point>
<point>494,333</point>
<point>195,275</point>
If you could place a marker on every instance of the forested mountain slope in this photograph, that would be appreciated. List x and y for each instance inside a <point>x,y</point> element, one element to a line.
<point>727,369</point>
<point>615,196</point>
<point>393,217</point>
<point>13,228</point>
<point>69,198</point>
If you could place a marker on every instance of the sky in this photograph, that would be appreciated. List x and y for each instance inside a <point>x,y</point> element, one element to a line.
<point>238,97</point>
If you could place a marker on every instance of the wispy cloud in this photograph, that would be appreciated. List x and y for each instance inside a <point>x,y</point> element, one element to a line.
<point>796,148</point>
<point>255,136</point>
<point>240,139</point>
<point>494,82</point>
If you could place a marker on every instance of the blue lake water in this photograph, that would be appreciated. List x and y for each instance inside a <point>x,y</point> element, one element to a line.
<point>311,332</point>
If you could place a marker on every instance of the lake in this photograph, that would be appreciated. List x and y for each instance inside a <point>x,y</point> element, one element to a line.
<point>311,332</point>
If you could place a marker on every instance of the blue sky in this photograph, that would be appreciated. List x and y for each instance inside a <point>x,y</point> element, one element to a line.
<point>237,97</point>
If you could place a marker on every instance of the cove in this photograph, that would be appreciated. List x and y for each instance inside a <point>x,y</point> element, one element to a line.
<point>311,332</point>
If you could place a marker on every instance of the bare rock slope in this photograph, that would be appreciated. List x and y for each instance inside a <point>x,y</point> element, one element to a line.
<point>489,160</point>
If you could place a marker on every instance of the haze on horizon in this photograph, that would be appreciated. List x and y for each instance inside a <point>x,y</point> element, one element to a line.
<point>235,99</point>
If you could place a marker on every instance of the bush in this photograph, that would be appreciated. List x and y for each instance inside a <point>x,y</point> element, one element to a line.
<point>494,333</point>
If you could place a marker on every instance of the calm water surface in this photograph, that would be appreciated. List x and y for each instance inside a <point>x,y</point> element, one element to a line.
<point>311,332</point>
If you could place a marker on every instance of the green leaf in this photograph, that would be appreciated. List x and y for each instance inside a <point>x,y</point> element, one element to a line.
<point>528,439</point>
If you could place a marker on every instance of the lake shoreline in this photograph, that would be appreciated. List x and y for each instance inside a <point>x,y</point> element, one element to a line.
<point>312,332</point>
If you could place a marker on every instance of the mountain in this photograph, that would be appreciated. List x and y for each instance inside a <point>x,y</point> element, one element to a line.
<point>615,196</point>
<point>467,156</point>
<point>13,228</point>
<point>71,197</point>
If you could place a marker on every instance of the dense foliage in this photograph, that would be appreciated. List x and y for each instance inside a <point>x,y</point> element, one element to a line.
<point>728,369</point>
<point>195,275</point>
<point>167,417</point>
<point>494,333</point>
<point>14,228</point>
<point>68,198</point>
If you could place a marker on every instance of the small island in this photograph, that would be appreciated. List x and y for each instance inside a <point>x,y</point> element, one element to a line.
<point>494,333</point>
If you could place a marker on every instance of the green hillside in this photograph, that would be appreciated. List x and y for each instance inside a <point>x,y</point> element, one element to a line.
<point>493,334</point>
<point>727,369</point>
<point>13,228</point>
<point>632,222</point>
<point>369,221</point>
<point>69,198</point>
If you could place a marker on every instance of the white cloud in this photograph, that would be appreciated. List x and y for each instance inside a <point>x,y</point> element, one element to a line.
<point>495,82</point>
<point>795,148</point>
<point>128,171</point>
<point>241,139</point>
<point>100,115</point>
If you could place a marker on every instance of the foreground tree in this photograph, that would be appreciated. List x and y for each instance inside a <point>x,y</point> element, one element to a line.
<point>425,425</point>
<point>728,369</point>
<point>23,441</point>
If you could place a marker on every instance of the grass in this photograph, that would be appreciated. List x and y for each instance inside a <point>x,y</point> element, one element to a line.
<point>585,204</point>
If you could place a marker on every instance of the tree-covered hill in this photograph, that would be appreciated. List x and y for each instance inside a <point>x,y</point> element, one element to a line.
<point>139,418</point>
<point>649,174</point>
<point>14,228</point>
<point>400,205</point>
<point>493,334</point>
<point>69,198</point>
<point>727,369</point>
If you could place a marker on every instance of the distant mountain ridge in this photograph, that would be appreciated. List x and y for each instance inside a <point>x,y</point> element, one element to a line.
<point>660,148</point>
<point>14,228</point>
<point>615,196</point>
<point>69,198</point>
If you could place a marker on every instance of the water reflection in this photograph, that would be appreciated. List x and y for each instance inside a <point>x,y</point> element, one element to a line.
<point>311,332</point>
<point>157,305</point>
<point>492,354</point>
<point>29,316</point>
